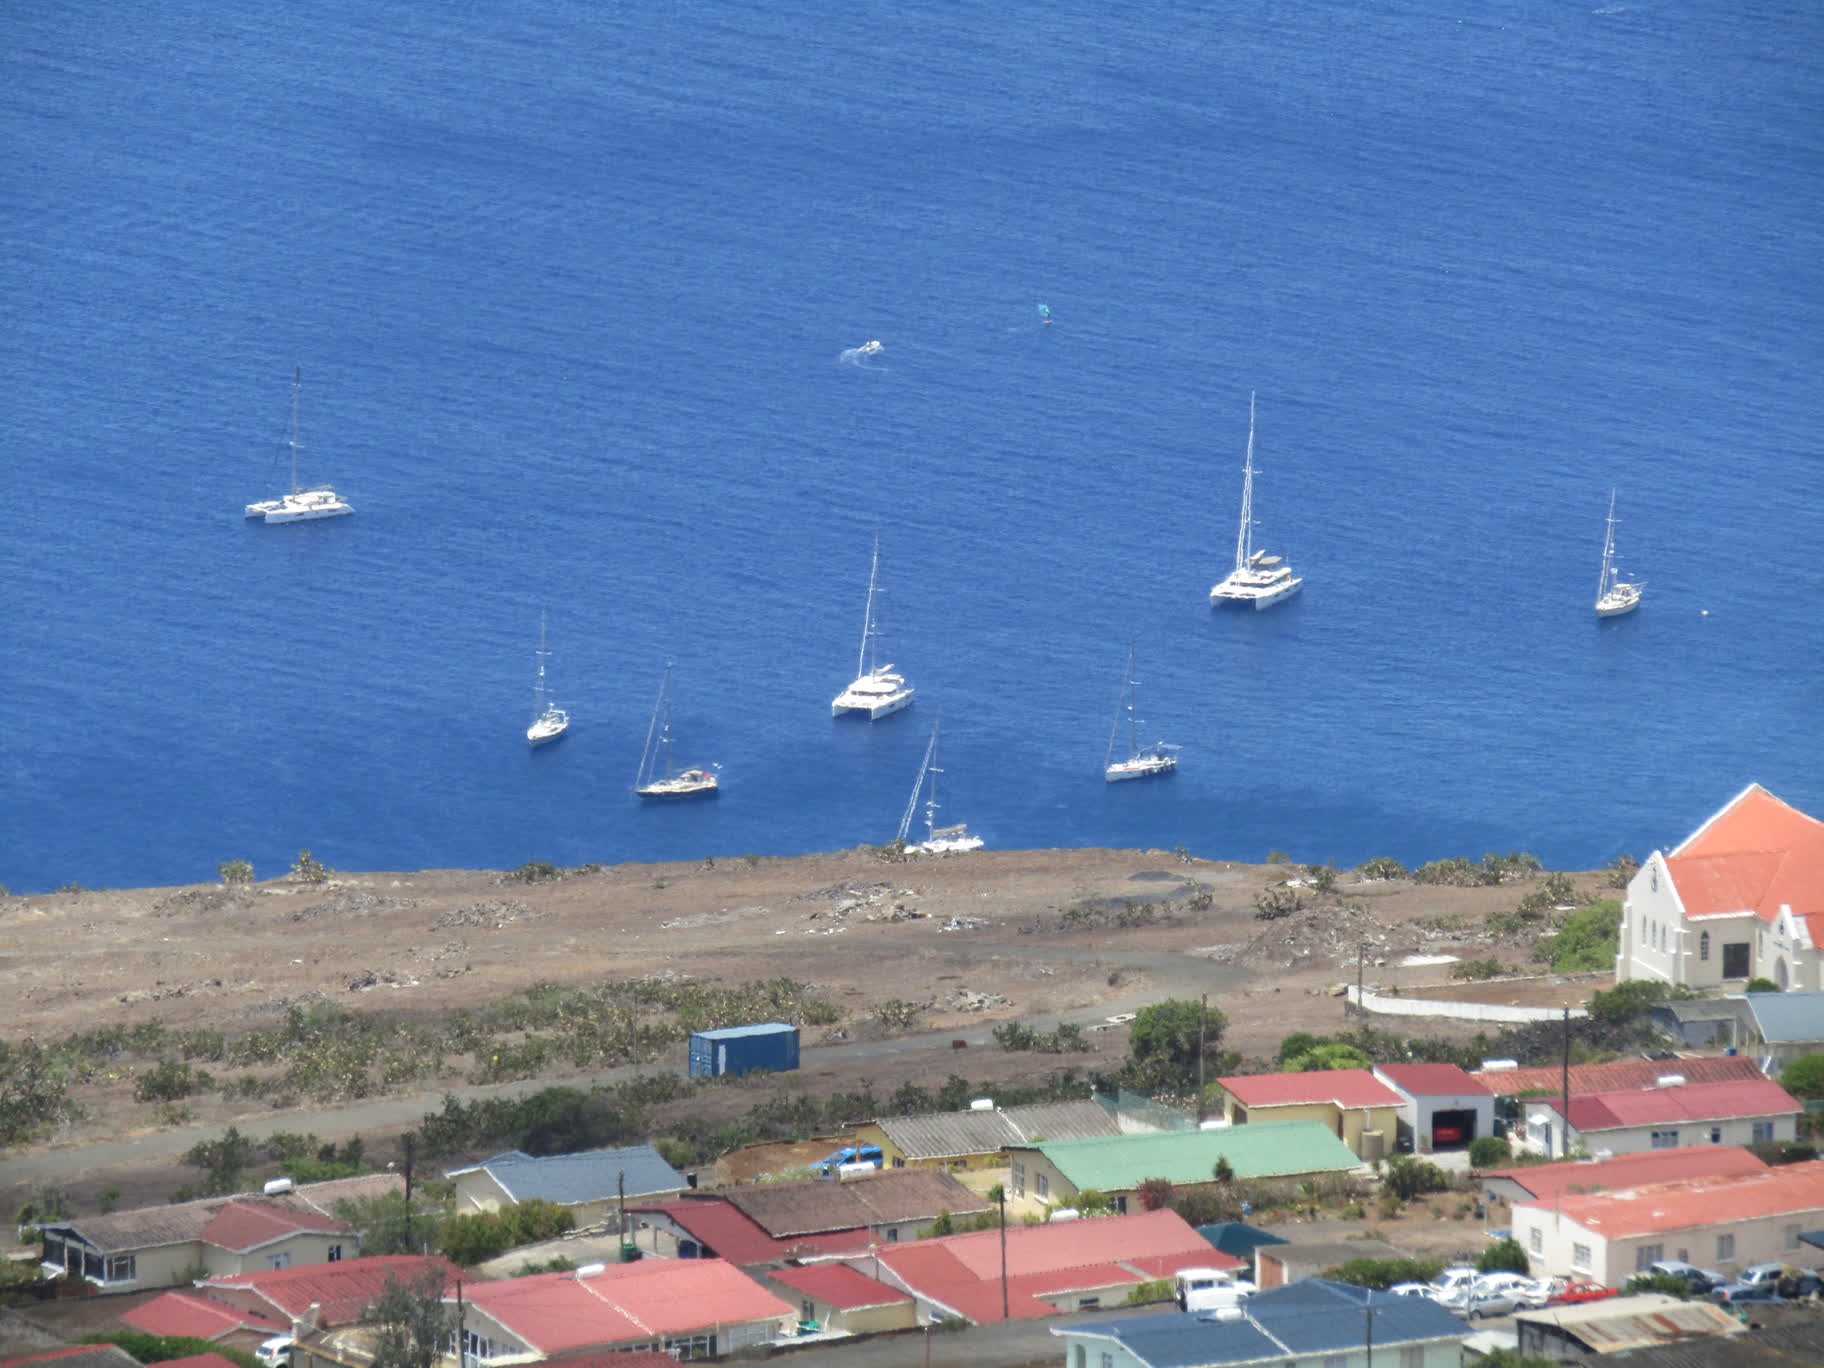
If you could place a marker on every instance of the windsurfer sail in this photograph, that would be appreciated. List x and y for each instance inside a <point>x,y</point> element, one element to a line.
<point>1044,313</point>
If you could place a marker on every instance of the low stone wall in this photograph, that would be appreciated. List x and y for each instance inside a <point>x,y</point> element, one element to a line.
<point>1382,1005</point>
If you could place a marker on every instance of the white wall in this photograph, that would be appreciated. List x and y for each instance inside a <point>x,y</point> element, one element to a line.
<point>1566,1141</point>
<point>1612,1262</point>
<point>1456,1011</point>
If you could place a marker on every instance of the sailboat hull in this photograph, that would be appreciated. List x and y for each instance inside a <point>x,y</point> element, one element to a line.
<point>690,784</point>
<point>1616,604</point>
<point>1143,768</point>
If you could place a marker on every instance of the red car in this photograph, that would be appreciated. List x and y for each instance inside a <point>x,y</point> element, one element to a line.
<point>1580,1292</point>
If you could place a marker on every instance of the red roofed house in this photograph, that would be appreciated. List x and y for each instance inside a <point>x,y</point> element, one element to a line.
<point>1441,1107</point>
<point>1051,1268</point>
<point>245,1309</point>
<point>1741,898</point>
<point>171,1245</point>
<point>1544,1182</point>
<point>1666,1116</point>
<point>1363,1111</point>
<point>689,1308</point>
<point>837,1297</point>
<point>1721,1223</point>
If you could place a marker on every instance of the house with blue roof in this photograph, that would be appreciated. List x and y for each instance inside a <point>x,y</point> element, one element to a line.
<point>1337,1325</point>
<point>589,1185</point>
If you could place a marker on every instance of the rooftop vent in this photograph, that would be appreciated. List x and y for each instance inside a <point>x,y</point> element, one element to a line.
<point>1499,1065</point>
<point>276,1186</point>
<point>590,1271</point>
<point>1669,1081</point>
<point>982,1104</point>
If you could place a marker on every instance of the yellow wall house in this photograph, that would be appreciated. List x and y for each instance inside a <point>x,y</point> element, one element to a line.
<point>589,1185</point>
<point>1359,1109</point>
<point>171,1245</point>
<point>837,1297</point>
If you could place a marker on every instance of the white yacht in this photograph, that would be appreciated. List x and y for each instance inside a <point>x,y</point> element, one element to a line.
<point>649,783</point>
<point>877,691</point>
<point>548,720</point>
<point>938,840</point>
<point>1614,595</point>
<point>300,505</point>
<point>1258,580</point>
<point>1143,762</point>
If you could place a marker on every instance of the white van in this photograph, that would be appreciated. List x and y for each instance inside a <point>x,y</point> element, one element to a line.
<point>275,1352</point>
<point>1210,1289</point>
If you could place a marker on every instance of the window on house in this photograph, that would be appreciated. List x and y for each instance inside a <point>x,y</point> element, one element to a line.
<point>1120,1204</point>
<point>1645,1256</point>
<point>899,1161</point>
<point>892,1234</point>
<point>1725,1248</point>
<point>1412,1356</point>
<point>1703,945</point>
<point>335,1254</point>
<point>1044,1186</point>
<point>1735,960</point>
<point>1763,1133</point>
<point>1079,1356</point>
<point>1716,1135</point>
<point>280,1260</point>
<point>807,1309</point>
<point>1790,1237</point>
<point>1535,1239</point>
<point>1108,1359</point>
<point>688,1348</point>
<point>1019,1180</point>
<point>1665,1139</point>
<point>1336,1361</point>
<point>1580,1257</point>
<point>1088,1303</point>
<point>121,1268</point>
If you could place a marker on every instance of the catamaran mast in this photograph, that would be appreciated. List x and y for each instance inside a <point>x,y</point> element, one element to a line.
<point>1244,538</point>
<point>297,389</point>
<point>864,663</point>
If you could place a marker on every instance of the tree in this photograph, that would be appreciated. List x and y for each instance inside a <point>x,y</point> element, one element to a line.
<point>414,1321</point>
<point>1504,1256</point>
<point>163,1348</point>
<point>1407,1177</point>
<point>309,869</point>
<point>1091,1202</point>
<point>1224,1172</point>
<point>1296,1044</point>
<point>1162,1044</point>
<point>1804,1077</point>
<point>235,872</point>
<point>388,1224</point>
<point>224,1161</point>
<point>1330,1054</point>
<point>1627,1002</point>
<point>1384,1273</point>
<point>1156,1194</point>
<point>34,1091</point>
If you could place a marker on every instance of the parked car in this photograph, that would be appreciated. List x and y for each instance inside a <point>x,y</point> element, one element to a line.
<point>849,1155</point>
<point>1491,1301</point>
<point>1413,1290</point>
<point>1700,1279</point>
<point>1574,1293</point>
<point>1736,1293</point>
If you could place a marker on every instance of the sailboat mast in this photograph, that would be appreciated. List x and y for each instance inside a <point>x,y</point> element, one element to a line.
<point>297,390</point>
<point>1608,551</point>
<point>652,729</point>
<point>865,661</point>
<point>918,785</point>
<point>931,792</point>
<point>538,683</point>
<point>1244,538</point>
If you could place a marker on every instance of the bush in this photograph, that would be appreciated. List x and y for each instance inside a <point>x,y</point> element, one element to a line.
<point>1407,1177</point>
<point>1270,904</point>
<point>1156,1194</point>
<point>235,872</point>
<point>1761,985</point>
<point>1588,940</point>
<point>1157,1290</point>
<point>1658,1282</point>
<point>1628,1002</point>
<point>1504,1256</point>
<point>309,869</point>
<point>1804,1077</point>
<point>170,1080</point>
<point>1488,1151</point>
<point>1476,970</point>
<point>1382,868</point>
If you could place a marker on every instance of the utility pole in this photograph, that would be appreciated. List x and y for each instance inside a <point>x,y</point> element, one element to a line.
<point>1203,1026</point>
<point>1001,1188</point>
<point>410,1143</point>
<point>620,1194</point>
<point>1368,1316</point>
<point>1564,1081</point>
<point>1361,969</point>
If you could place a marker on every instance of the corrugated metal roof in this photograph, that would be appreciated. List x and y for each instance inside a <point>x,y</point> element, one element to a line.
<point>1683,1102</point>
<point>589,1176</point>
<point>1788,1018</point>
<point>1546,1181</point>
<point>804,1208</point>
<point>952,1135</point>
<point>1645,1318</point>
<point>1782,1346</point>
<point>1621,1073</point>
<point>1267,1150</point>
<point>645,1300</point>
<point>1695,1203</point>
<point>1344,1087</point>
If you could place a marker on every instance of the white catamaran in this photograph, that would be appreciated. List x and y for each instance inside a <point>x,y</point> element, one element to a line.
<point>690,783</point>
<point>301,504</point>
<point>938,840</point>
<point>1141,762</point>
<point>1258,580</point>
<point>548,720</point>
<point>877,691</point>
<point>1614,595</point>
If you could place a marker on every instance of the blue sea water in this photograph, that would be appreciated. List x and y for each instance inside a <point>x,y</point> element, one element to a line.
<point>569,284</point>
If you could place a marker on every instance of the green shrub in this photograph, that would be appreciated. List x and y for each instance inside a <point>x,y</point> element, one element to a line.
<point>1384,1273</point>
<point>1407,1177</point>
<point>533,871</point>
<point>1270,904</point>
<point>235,872</point>
<point>1382,868</point>
<point>308,869</point>
<point>1476,970</point>
<point>1489,1151</point>
<point>1154,1290</point>
<point>1588,940</point>
<point>1804,1077</point>
<point>161,1348</point>
<point>1503,1256</point>
<point>1668,1283</point>
<point>169,1081</point>
<point>1761,985</point>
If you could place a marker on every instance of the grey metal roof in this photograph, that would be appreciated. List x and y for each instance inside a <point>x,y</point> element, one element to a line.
<point>1303,1318</point>
<point>591,1176</point>
<point>1701,1009</point>
<point>952,1135</point>
<point>1777,1346</point>
<point>1788,1018</point>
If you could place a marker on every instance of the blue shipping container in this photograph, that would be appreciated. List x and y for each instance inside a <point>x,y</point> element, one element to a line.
<point>738,1050</point>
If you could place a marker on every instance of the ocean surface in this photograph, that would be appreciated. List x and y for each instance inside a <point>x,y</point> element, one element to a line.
<point>570,284</point>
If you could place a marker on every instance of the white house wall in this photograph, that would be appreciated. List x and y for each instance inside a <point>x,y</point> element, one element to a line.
<point>1551,1243</point>
<point>1559,1141</point>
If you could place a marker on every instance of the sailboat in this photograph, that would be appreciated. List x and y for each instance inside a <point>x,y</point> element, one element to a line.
<point>938,840</point>
<point>301,504</point>
<point>1257,579</point>
<point>877,691</point>
<point>1141,763</point>
<point>690,783</point>
<point>1614,595</point>
<point>548,720</point>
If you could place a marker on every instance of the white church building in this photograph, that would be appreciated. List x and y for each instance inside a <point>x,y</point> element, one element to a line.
<point>1741,898</point>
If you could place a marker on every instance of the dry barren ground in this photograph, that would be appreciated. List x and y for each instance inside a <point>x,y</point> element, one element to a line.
<point>971,940</point>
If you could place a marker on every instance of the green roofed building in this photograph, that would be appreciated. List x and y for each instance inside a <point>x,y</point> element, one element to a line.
<point>1055,1172</point>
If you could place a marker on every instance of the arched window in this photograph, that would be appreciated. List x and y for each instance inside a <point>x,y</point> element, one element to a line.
<point>1703,945</point>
